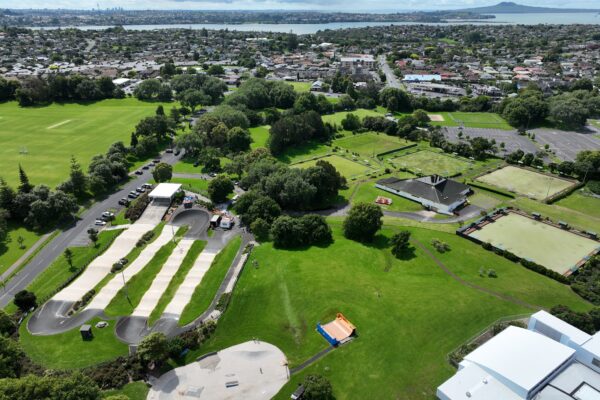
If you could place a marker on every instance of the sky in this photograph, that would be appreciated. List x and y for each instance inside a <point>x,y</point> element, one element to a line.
<point>331,5</point>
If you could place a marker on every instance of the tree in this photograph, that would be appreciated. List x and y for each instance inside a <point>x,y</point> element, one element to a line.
<point>238,139</point>
<point>11,358</point>
<point>25,300</point>
<point>68,254</point>
<point>163,172</point>
<point>24,185</point>
<point>219,188</point>
<point>569,113</point>
<point>400,242</point>
<point>351,122</point>
<point>363,222</point>
<point>93,236</point>
<point>292,42</point>
<point>7,325</point>
<point>215,69</point>
<point>260,229</point>
<point>153,348</point>
<point>193,98</point>
<point>50,387</point>
<point>317,387</point>
<point>77,178</point>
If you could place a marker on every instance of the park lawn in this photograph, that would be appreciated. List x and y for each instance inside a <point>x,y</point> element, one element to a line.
<point>120,219</point>
<point>582,202</point>
<point>552,247</point>
<point>428,162</point>
<point>137,286</point>
<point>303,152</point>
<point>68,351</point>
<point>525,182</point>
<point>336,118</point>
<point>484,120</point>
<point>133,390</point>
<point>186,166</point>
<point>368,193</point>
<point>199,186</point>
<point>371,144</point>
<point>10,250</point>
<point>260,135</point>
<point>348,168</point>
<point>409,313</point>
<point>207,289</point>
<point>57,273</point>
<point>557,213</point>
<point>301,86</point>
<point>52,134</point>
<point>177,280</point>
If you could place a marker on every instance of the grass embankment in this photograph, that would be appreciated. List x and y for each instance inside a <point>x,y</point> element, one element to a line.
<point>184,268</point>
<point>581,201</point>
<point>409,313</point>
<point>128,298</point>
<point>133,390</point>
<point>68,351</point>
<point>43,139</point>
<point>199,186</point>
<point>206,290</point>
<point>260,136</point>
<point>59,271</point>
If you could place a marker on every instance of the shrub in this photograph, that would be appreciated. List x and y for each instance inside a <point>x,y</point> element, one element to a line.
<point>440,246</point>
<point>135,211</point>
<point>492,274</point>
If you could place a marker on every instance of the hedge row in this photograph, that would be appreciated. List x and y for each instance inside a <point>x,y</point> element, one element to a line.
<point>563,193</point>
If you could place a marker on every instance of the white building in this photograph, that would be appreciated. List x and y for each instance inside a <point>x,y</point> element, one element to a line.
<point>363,61</point>
<point>164,192</point>
<point>551,360</point>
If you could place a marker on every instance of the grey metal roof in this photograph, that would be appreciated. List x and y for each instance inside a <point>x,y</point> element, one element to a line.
<point>434,188</point>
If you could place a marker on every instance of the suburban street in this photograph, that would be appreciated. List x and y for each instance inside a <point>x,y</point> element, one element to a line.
<point>70,235</point>
<point>390,78</point>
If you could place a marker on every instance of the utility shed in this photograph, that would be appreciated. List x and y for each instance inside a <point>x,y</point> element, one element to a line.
<point>86,332</point>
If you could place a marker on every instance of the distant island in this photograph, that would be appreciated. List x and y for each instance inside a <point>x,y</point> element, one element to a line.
<point>508,7</point>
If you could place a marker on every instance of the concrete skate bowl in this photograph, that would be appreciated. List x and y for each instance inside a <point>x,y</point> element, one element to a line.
<point>197,219</point>
<point>252,370</point>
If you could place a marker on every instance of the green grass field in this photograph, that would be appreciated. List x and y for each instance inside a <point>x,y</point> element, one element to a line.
<point>544,244</point>
<point>10,250</point>
<point>260,135</point>
<point>409,313</point>
<point>428,162</point>
<point>206,290</point>
<point>336,118</point>
<point>53,133</point>
<point>68,351</point>
<point>367,193</point>
<point>525,182</point>
<point>472,120</point>
<point>582,202</point>
<point>199,186</point>
<point>371,144</point>
<point>303,152</point>
<point>301,86</point>
<point>348,168</point>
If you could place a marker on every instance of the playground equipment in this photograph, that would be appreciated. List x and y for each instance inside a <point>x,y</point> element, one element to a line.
<point>338,331</point>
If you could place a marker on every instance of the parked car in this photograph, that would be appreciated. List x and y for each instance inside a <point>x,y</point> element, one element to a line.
<point>147,186</point>
<point>156,160</point>
<point>169,151</point>
<point>124,202</point>
<point>146,167</point>
<point>123,261</point>
<point>99,222</point>
<point>212,174</point>
<point>108,214</point>
<point>152,164</point>
<point>139,172</point>
<point>196,163</point>
<point>177,152</point>
<point>140,190</point>
<point>133,195</point>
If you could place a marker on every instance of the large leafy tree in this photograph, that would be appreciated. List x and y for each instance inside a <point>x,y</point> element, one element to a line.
<point>363,222</point>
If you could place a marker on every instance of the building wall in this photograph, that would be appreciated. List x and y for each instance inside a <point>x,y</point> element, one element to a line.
<point>440,208</point>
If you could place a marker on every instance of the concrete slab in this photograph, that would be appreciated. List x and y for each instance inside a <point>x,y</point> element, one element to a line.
<point>106,294</point>
<point>251,371</point>
<point>162,279</point>
<point>185,291</point>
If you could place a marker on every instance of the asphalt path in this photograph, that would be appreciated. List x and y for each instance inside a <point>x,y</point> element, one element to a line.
<point>73,233</point>
<point>391,79</point>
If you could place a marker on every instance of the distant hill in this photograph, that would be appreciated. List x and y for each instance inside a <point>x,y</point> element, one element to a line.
<point>508,7</point>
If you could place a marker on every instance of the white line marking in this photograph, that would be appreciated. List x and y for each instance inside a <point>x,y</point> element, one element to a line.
<point>66,121</point>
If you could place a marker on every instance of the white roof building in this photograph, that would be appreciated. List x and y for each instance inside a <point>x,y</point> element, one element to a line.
<point>164,191</point>
<point>551,360</point>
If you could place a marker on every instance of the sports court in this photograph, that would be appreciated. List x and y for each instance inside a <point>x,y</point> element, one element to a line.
<point>428,162</point>
<point>544,244</point>
<point>371,144</point>
<point>344,166</point>
<point>525,182</point>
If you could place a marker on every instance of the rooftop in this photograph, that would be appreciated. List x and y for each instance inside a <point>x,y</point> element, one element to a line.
<point>165,190</point>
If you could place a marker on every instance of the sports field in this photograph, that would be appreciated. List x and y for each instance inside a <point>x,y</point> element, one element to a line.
<point>429,162</point>
<point>345,167</point>
<point>371,144</point>
<point>42,139</point>
<point>301,86</point>
<point>544,244</point>
<point>471,120</point>
<point>336,118</point>
<point>525,182</point>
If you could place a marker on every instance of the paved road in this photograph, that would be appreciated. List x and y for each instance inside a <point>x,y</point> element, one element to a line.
<point>72,234</point>
<point>390,78</point>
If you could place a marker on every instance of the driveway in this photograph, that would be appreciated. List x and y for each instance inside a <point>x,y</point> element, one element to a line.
<point>72,235</point>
